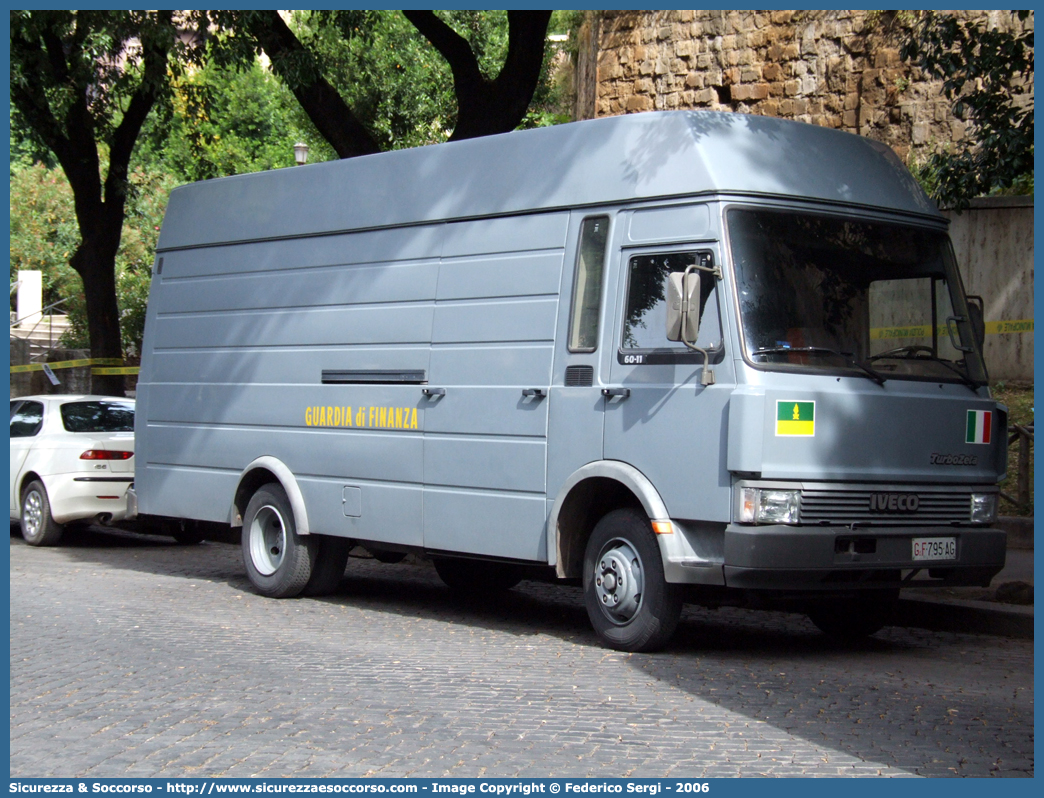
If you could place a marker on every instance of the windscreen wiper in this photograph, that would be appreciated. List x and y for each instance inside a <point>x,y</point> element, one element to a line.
<point>925,353</point>
<point>952,367</point>
<point>822,350</point>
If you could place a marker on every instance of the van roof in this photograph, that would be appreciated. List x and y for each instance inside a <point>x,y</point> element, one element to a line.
<point>597,162</point>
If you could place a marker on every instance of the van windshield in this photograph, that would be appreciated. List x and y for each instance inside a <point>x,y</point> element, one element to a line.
<point>839,294</point>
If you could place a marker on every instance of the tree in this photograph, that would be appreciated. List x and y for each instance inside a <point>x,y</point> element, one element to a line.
<point>983,72</point>
<point>222,121</point>
<point>83,83</point>
<point>485,105</point>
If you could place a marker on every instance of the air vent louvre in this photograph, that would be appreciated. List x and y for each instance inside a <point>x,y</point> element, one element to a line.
<point>579,376</point>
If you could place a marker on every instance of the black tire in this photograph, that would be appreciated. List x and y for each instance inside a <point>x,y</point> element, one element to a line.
<point>328,570</point>
<point>855,618</point>
<point>38,527</point>
<point>476,577</point>
<point>279,562</point>
<point>631,605</point>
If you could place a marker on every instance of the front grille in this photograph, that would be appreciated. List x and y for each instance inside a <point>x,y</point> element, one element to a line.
<point>843,507</point>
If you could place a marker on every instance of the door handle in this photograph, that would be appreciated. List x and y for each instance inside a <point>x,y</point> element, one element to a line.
<point>612,393</point>
<point>431,393</point>
<point>539,393</point>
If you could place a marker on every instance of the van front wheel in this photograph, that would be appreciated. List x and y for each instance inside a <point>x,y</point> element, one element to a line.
<point>279,562</point>
<point>629,602</point>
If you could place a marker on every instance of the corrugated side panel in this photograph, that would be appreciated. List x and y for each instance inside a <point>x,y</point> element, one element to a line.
<point>492,337</point>
<point>239,338</point>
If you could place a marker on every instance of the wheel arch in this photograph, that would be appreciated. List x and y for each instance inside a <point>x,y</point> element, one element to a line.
<point>260,472</point>
<point>23,483</point>
<point>590,492</point>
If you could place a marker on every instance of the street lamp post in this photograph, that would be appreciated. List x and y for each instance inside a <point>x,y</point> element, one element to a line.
<point>301,153</point>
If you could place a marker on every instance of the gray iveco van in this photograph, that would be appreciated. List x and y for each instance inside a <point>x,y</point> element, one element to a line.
<point>681,356</point>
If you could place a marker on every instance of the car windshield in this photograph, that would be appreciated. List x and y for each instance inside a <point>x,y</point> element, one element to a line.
<point>841,294</point>
<point>98,416</point>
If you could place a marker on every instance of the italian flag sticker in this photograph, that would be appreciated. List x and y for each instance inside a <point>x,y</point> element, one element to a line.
<point>795,418</point>
<point>978,427</point>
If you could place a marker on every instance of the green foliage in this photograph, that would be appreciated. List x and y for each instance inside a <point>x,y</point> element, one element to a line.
<point>83,83</point>
<point>223,121</point>
<point>25,149</point>
<point>44,235</point>
<point>395,82</point>
<point>1018,398</point>
<point>226,115</point>
<point>983,72</point>
<point>43,227</point>
<point>103,61</point>
<point>397,85</point>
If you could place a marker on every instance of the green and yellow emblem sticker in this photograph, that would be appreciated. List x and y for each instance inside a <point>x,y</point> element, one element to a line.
<point>795,418</point>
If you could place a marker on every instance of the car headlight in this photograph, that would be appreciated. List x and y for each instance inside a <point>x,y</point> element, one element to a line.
<point>768,506</point>
<point>983,508</point>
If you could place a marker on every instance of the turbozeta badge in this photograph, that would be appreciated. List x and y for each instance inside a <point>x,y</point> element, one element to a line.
<point>978,426</point>
<point>953,459</point>
<point>795,418</point>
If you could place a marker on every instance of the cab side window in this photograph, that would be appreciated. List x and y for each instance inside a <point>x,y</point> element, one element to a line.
<point>587,289</point>
<point>26,419</point>
<point>645,325</point>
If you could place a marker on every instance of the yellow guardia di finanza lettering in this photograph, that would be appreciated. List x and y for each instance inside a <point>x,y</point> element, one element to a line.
<point>366,417</point>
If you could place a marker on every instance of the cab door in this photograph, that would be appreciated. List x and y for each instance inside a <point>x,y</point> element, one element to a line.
<point>658,416</point>
<point>581,365</point>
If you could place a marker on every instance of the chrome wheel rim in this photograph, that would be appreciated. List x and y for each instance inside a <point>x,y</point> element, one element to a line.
<point>32,514</point>
<point>619,581</point>
<point>267,540</point>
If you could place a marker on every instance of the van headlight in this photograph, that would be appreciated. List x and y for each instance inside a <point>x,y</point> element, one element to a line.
<point>983,508</point>
<point>768,506</point>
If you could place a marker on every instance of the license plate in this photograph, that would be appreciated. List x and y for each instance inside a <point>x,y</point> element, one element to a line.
<point>935,548</point>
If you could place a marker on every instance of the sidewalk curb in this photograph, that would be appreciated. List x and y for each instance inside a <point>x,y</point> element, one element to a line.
<point>971,617</point>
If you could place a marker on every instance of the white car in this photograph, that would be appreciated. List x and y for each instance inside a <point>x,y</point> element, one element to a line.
<point>72,459</point>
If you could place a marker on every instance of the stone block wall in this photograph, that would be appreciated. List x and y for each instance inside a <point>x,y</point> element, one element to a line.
<point>838,69</point>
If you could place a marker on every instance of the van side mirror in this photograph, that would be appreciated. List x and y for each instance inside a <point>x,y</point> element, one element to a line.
<point>978,322</point>
<point>683,306</point>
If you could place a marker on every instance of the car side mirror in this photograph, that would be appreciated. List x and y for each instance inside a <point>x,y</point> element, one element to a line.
<point>683,306</point>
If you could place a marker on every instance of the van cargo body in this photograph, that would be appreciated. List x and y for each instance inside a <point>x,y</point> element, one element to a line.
<point>682,356</point>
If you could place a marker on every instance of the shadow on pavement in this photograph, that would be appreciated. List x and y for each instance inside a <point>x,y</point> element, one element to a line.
<point>905,698</point>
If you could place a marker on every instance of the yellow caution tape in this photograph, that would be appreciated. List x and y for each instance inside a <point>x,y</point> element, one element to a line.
<point>1018,326</point>
<point>925,330</point>
<point>69,364</point>
<point>122,370</point>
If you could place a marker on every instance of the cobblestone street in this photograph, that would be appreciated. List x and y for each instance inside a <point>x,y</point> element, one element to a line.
<point>133,657</point>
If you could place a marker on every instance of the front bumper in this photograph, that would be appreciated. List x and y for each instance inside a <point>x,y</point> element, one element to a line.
<point>79,497</point>
<point>831,558</point>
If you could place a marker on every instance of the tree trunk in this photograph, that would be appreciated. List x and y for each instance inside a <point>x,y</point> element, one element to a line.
<point>95,262</point>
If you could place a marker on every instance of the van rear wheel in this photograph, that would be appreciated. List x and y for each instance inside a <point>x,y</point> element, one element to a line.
<point>476,577</point>
<point>330,563</point>
<point>631,605</point>
<point>279,562</point>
